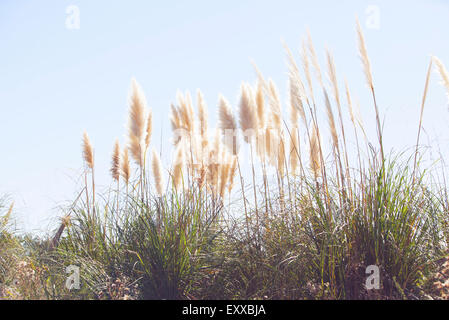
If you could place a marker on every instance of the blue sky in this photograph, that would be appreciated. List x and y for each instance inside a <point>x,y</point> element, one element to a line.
<point>55,82</point>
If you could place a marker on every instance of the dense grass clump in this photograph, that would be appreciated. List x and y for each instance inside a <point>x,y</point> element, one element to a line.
<point>259,208</point>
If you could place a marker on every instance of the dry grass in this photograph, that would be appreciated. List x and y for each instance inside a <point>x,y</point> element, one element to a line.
<point>303,222</point>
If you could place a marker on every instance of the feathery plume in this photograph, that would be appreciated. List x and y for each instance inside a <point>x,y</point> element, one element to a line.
<point>294,112</point>
<point>248,114</point>
<point>202,114</point>
<point>268,137</point>
<point>297,91</point>
<point>281,154</point>
<point>369,78</point>
<point>224,173</point>
<point>228,124</point>
<point>226,118</point>
<point>189,106</point>
<point>364,56</point>
<point>178,166</point>
<point>350,107</point>
<point>443,73</point>
<point>260,103</point>
<point>175,119</point>
<point>157,173</point>
<point>260,77</point>
<point>88,153</point>
<point>185,112</point>
<point>275,105</point>
<point>314,57</point>
<point>115,166</point>
<point>333,76</point>
<point>315,164</point>
<point>149,128</point>
<point>124,171</point>
<point>5,219</point>
<point>176,124</point>
<point>232,172</point>
<point>306,67</point>
<point>294,150</point>
<point>136,122</point>
<point>330,118</point>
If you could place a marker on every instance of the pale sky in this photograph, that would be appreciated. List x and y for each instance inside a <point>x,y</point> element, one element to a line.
<point>56,81</point>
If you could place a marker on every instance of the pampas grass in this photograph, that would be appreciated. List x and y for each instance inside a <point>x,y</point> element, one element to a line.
<point>275,105</point>
<point>314,153</point>
<point>247,113</point>
<point>185,111</point>
<point>363,52</point>
<point>125,166</point>
<point>202,115</point>
<point>88,155</point>
<point>157,173</point>
<point>443,73</point>
<point>149,129</point>
<point>136,124</point>
<point>88,152</point>
<point>369,79</point>
<point>312,241</point>
<point>178,166</point>
<point>294,150</point>
<point>227,124</point>
<point>306,67</point>
<point>314,58</point>
<point>426,87</point>
<point>115,162</point>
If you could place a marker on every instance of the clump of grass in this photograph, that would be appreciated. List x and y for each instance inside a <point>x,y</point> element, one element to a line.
<point>307,231</point>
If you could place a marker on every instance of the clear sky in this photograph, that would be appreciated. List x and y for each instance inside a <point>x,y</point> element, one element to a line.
<point>56,81</point>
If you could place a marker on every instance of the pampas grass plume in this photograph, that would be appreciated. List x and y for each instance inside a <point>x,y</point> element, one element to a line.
<point>115,166</point>
<point>124,168</point>
<point>247,112</point>
<point>157,173</point>
<point>136,123</point>
<point>364,56</point>
<point>88,153</point>
<point>443,73</point>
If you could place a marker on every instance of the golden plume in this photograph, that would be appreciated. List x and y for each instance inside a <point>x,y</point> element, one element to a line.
<point>185,112</point>
<point>125,171</point>
<point>149,128</point>
<point>232,172</point>
<point>227,124</point>
<point>178,166</point>
<point>364,56</point>
<point>280,165</point>
<point>443,73</point>
<point>260,103</point>
<point>248,114</point>
<point>224,172</point>
<point>330,118</point>
<point>88,153</point>
<point>115,166</point>
<point>315,164</point>
<point>136,123</point>
<point>202,115</point>
<point>157,173</point>
<point>294,150</point>
<point>297,90</point>
<point>306,67</point>
<point>314,58</point>
<point>275,105</point>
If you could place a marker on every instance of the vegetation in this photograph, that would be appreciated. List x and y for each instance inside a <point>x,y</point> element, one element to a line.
<point>304,222</point>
